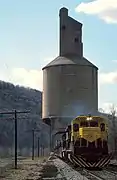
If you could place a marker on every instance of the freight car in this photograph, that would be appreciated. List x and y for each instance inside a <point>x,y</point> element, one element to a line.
<point>86,140</point>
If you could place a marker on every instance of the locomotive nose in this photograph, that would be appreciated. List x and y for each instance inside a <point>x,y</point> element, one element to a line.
<point>89,133</point>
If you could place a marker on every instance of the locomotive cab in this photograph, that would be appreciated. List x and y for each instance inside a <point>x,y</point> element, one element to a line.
<point>86,140</point>
<point>89,137</point>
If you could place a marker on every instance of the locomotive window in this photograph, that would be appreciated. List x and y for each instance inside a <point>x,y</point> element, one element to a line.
<point>102,127</point>
<point>75,127</point>
<point>81,118</point>
<point>93,124</point>
<point>84,124</point>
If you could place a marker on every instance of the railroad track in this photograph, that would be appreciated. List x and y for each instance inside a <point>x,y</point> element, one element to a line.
<point>105,174</point>
<point>91,175</point>
<point>98,175</point>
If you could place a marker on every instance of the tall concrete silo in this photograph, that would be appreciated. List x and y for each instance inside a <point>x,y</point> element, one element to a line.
<point>70,85</point>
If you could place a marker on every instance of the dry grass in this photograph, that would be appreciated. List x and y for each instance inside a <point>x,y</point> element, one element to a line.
<point>4,169</point>
<point>27,169</point>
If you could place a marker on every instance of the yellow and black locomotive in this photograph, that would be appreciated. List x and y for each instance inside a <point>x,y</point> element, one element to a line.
<point>86,139</point>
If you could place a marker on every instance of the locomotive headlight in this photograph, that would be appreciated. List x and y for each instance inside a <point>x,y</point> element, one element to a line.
<point>89,118</point>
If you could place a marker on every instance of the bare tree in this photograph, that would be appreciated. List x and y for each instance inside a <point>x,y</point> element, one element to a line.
<point>113,117</point>
<point>101,110</point>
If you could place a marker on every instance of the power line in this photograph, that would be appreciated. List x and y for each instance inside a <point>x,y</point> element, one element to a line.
<point>15,117</point>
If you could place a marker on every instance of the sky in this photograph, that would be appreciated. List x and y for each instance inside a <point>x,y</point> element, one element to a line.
<point>29,39</point>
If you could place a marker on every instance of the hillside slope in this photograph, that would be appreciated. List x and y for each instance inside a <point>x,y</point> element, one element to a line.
<point>20,98</point>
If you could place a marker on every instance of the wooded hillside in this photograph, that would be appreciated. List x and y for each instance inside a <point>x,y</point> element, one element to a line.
<point>20,98</point>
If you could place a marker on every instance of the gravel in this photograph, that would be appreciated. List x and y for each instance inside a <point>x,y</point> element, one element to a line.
<point>67,172</point>
<point>105,175</point>
<point>114,162</point>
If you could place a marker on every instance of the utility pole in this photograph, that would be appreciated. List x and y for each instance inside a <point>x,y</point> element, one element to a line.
<point>115,141</point>
<point>15,116</point>
<point>33,140</point>
<point>113,116</point>
<point>43,150</point>
<point>50,137</point>
<point>33,143</point>
<point>50,134</point>
<point>38,146</point>
<point>51,131</point>
<point>15,139</point>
